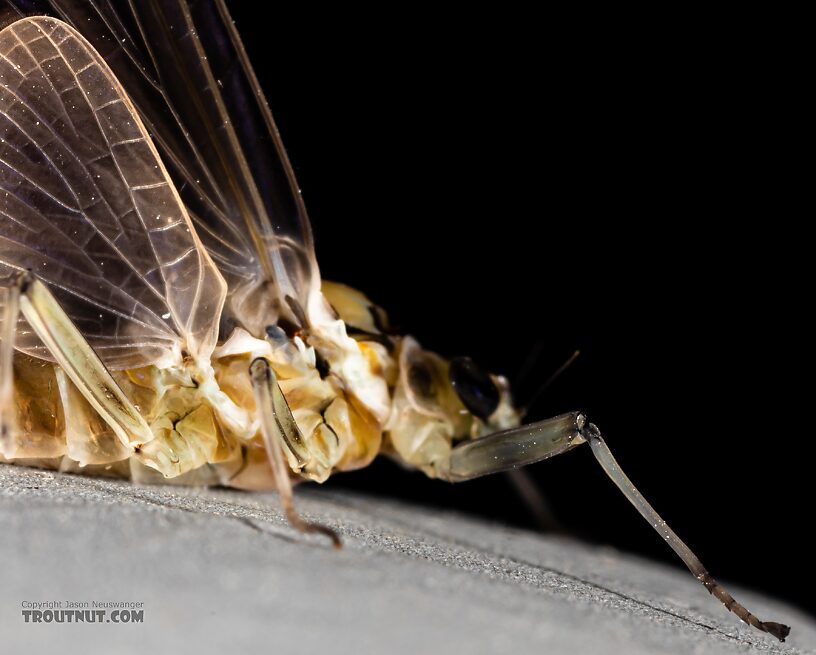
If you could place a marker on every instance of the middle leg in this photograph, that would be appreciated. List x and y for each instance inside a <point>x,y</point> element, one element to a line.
<point>284,443</point>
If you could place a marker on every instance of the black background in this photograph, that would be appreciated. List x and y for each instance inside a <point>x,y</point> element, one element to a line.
<point>505,185</point>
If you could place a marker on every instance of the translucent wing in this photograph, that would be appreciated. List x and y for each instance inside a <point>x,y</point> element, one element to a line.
<point>86,203</point>
<point>186,71</point>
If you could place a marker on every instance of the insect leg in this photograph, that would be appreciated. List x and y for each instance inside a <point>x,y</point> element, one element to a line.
<point>283,442</point>
<point>514,448</point>
<point>614,471</point>
<point>79,361</point>
<point>537,504</point>
<point>531,443</point>
<point>8,327</point>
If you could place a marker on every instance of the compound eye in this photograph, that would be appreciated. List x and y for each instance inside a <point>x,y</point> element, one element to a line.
<point>474,387</point>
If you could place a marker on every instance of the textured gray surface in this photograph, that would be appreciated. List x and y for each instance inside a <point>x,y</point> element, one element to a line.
<point>220,571</point>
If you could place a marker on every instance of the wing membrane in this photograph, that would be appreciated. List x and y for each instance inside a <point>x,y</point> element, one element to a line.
<point>187,72</point>
<point>88,206</point>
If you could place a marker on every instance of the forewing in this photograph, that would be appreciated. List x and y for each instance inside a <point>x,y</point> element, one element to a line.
<point>87,205</point>
<point>187,72</point>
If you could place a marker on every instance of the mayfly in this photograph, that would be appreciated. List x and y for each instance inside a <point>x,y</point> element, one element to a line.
<point>163,316</point>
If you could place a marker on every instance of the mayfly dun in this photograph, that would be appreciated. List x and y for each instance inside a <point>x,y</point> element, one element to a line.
<point>163,316</point>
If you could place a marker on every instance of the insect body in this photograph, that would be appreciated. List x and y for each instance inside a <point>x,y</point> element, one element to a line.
<point>163,316</point>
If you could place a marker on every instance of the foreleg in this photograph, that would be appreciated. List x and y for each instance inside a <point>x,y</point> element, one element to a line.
<point>531,443</point>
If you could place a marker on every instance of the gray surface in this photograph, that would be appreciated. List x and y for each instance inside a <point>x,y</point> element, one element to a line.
<point>220,571</point>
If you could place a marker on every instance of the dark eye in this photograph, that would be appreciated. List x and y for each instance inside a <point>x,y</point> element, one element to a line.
<point>474,387</point>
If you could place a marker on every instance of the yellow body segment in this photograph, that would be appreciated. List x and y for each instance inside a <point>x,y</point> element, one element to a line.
<point>56,427</point>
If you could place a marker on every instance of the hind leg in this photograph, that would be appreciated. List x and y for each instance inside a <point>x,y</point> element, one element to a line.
<point>10,299</point>
<point>23,293</point>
